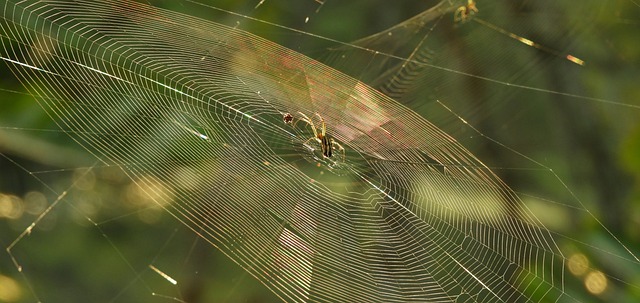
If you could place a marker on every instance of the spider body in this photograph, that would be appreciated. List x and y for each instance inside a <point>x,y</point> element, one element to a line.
<point>465,12</point>
<point>327,144</point>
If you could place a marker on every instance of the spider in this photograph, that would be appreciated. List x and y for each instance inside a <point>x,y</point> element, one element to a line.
<point>463,13</point>
<point>327,144</point>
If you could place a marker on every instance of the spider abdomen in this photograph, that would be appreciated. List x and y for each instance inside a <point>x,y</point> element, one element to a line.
<point>326,146</point>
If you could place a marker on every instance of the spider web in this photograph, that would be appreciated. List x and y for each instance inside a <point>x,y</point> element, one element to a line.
<point>192,112</point>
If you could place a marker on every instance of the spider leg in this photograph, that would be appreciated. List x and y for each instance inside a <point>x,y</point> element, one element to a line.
<point>305,118</point>
<point>472,6</point>
<point>324,128</point>
<point>460,14</point>
<point>339,147</point>
<point>315,137</point>
<point>312,138</point>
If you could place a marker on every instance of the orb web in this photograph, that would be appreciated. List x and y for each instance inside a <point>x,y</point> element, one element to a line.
<point>192,111</point>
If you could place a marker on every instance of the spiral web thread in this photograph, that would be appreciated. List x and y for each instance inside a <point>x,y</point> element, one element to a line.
<point>193,112</point>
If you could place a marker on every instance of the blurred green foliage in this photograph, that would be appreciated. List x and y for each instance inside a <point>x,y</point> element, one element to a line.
<point>592,144</point>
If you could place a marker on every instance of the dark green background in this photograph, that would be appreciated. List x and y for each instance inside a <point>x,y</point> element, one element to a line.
<point>591,142</point>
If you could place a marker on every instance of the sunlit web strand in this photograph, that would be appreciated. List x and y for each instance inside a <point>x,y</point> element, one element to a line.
<point>239,205</point>
<point>629,251</point>
<point>537,89</point>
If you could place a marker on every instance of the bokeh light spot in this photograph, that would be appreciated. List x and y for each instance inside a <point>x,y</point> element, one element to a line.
<point>596,282</point>
<point>35,202</point>
<point>578,264</point>
<point>84,178</point>
<point>9,290</point>
<point>11,207</point>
